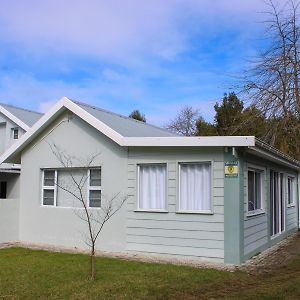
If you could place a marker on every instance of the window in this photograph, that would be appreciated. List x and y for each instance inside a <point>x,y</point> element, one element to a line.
<point>152,186</point>
<point>3,189</point>
<point>15,133</point>
<point>57,185</point>
<point>49,187</point>
<point>94,189</point>
<point>290,191</point>
<point>195,187</point>
<point>255,190</point>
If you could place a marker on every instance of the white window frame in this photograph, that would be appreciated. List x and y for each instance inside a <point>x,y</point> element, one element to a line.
<point>49,187</point>
<point>281,208</point>
<point>13,130</point>
<point>93,188</point>
<point>203,212</point>
<point>138,209</point>
<point>292,204</point>
<point>262,192</point>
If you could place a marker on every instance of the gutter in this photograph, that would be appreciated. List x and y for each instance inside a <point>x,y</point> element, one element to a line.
<point>270,151</point>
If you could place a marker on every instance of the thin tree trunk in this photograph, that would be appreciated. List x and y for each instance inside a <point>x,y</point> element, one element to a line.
<point>93,263</point>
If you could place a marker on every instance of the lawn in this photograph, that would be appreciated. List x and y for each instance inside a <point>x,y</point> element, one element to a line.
<point>33,274</point>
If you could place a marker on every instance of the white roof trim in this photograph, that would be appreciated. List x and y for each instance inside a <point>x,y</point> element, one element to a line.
<point>220,141</point>
<point>183,141</point>
<point>14,118</point>
<point>61,104</point>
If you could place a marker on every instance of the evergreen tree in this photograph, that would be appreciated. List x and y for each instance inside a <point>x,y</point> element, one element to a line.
<point>138,116</point>
<point>205,128</point>
<point>228,114</point>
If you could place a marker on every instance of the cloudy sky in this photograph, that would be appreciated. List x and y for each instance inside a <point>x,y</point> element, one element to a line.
<point>153,55</point>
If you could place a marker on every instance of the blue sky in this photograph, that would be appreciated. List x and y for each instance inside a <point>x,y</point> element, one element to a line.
<point>151,55</point>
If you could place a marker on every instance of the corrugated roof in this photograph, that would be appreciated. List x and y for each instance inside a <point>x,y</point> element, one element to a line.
<point>28,117</point>
<point>125,126</point>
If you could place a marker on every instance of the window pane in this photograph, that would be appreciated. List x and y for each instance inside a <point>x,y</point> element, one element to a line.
<point>257,190</point>
<point>195,187</point>
<point>65,181</point>
<point>251,191</point>
<point>290,191</point>
<point>16,134</point>
<point>95,177</point>
<point>49,177</point>
<point>48,197</point>
<point>152,186</point>
<point>95,198</point>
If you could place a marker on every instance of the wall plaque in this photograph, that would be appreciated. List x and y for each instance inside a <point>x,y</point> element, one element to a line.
<point>231,169</point>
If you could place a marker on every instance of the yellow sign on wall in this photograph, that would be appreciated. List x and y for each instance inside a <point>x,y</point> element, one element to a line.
<point>231,169</point>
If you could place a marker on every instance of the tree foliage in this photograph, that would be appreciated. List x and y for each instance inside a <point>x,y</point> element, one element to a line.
<point>228,114</point>
<point>272,81</point>
<point>137,115</point>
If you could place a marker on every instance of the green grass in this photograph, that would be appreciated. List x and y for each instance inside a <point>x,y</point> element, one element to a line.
<point>32,274</point>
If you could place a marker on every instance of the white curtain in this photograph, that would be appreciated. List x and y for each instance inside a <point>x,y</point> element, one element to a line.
<point>195,187</point>
<point>152,186</point>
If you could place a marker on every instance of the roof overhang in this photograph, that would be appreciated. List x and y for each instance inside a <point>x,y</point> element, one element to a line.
<point>188,141</point>
<point>12,155</point>
<point>266,151</point>
<point>13,118</point>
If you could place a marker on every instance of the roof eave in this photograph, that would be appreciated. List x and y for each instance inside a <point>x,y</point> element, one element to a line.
<point>183,141</point>
<point>263,149</point>
<point>13,118</point>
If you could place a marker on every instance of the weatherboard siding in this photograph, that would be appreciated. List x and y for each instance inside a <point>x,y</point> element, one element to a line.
<point>256,228</point>
<point>171,233</point>
<point>292,218</point>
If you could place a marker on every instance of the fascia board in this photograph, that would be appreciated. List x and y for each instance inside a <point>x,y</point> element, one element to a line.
<point>216,141</point>
<point>13,118</point>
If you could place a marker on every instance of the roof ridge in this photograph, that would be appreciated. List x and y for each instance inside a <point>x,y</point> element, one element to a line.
<point>121,116</point>
<point>17,107</point>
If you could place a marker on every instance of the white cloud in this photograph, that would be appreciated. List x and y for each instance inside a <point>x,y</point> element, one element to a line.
<point>45,106</point>
<point>117,30</point>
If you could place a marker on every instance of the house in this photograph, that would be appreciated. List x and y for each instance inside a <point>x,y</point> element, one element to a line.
<point>14,122</point>
<point>222,199</point>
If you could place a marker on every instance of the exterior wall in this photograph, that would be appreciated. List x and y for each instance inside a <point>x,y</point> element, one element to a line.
<point>6,139</point>
<point>9,209</point>
<point>257,235</point>
<point>233,209</point>
<point>13,184</point>
<point>172,233</point>
<point>59,225</point>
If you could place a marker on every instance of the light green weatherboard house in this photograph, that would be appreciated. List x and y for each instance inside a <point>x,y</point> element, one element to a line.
<point>222,199</point>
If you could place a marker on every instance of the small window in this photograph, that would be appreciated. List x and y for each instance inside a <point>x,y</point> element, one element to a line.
<point>3,189</point>
<point>15,133</point>
<point>254,190</point>
<point>195,187</point>
<point>49,187</point>
<point>290,191</point>
<point>94,188</point>
<point>152,187</point>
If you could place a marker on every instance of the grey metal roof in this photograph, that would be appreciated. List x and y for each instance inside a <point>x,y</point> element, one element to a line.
<point>28,117</point>
<point>126,126</point>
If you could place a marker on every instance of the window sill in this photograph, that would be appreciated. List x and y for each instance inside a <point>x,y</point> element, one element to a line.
<point>69,207</point>
<point>197,212</point>
<point>152,210</point>
<point>255,213</point>
<point>291,205</point>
